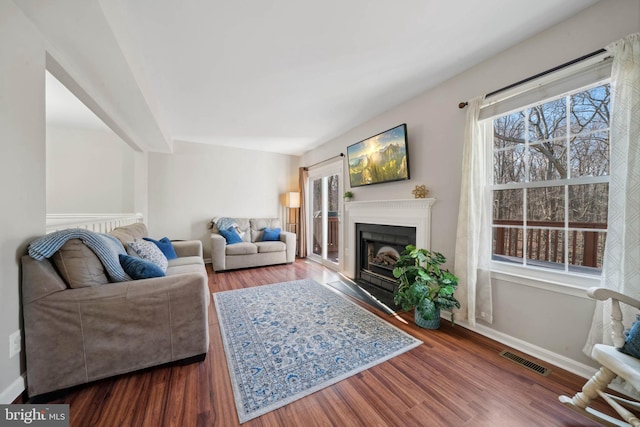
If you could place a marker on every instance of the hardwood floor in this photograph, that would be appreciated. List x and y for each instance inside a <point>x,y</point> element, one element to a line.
<point>456,378</point>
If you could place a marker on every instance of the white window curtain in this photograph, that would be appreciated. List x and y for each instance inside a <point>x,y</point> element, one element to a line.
<point>473,239</point>
<point>622,250</point>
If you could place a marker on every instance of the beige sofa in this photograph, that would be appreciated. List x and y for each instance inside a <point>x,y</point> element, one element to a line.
<point>77,335</point>
<point>252,251</point>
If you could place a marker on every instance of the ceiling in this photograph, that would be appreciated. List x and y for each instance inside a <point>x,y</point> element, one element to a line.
<point>65,109</point>
<point>275,75</point>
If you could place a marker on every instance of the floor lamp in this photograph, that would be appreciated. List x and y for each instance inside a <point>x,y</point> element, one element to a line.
<point>292,202</point>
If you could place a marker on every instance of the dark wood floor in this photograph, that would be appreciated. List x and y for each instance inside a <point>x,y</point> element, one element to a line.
<point>456,378</point>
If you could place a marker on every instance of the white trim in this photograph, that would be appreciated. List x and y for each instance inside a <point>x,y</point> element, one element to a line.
<point>568,281</point>
<point>330,168</point>
<point>407,212</point>
<point>553,281</point>
<point>580,180</point>
<point>563,362</point>
<point>11,393</point>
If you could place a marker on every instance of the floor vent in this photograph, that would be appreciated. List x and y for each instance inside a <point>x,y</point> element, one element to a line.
<point>525,362</point>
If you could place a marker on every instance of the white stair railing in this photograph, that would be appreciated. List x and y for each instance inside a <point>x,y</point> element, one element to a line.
<point>100,223</point>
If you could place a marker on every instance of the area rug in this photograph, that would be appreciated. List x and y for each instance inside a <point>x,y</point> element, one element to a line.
<point>287,340</point>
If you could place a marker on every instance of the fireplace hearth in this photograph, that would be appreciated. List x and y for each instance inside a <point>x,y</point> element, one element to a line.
<point>378,248</point>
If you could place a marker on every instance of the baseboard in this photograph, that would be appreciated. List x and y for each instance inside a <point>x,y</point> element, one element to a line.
<point>207,260</point>
<point>580,369</point>
<point>15,389</point>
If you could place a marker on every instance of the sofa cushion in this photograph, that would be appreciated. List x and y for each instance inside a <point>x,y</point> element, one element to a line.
<point>129,233</point>
<point>139,268</point>
<point>245,228</point>
<point>151,252</point>
<point>187,269</point>
<point>78,265</point>
<point>164,245</point>
<point>271,246</point>
<point>259,224</point>
<point>185,260</point>
<point>244,248</point>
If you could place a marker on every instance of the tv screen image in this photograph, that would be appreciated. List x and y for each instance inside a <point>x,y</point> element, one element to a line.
<point>380,158</point>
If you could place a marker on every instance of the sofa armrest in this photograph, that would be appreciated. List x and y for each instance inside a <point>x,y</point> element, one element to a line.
<point>188,248</point>
<point>289,239</point>
<point>218,251</point>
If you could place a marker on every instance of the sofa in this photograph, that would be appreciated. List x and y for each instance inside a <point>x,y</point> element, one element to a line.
<point>79,328</point>
<point>251,251</point>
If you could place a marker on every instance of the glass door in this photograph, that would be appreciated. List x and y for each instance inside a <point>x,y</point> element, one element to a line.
<point>326,206</point>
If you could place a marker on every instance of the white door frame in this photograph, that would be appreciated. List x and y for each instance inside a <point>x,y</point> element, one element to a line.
<point>333,168</point>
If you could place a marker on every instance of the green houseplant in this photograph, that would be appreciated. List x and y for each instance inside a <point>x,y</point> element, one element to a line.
<point>347,196</point>
<point>424,285</point>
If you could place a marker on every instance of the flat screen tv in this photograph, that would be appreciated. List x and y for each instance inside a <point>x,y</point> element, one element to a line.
<point>380,158</point>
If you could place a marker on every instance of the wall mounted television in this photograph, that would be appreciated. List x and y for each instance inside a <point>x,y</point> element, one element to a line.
<point>381,158</point>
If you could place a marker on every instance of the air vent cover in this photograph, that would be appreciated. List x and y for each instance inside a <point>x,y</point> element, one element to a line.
<point>525,362</point>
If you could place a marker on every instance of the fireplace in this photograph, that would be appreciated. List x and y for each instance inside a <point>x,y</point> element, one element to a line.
<point>378,248</point>
<point>394,215</point>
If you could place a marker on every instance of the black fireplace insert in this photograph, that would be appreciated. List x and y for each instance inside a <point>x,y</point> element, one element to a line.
<point>378,247</point>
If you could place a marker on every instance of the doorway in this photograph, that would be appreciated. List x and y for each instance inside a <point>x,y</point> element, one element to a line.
<point>325,225</point>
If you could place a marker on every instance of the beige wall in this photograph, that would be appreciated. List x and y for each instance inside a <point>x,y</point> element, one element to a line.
<point>22,172</point>
<point>197,182</point>
<point>556,323</point>
<point>101,179</point>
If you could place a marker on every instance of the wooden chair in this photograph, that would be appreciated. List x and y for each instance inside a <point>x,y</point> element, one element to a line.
<point>614,364</point>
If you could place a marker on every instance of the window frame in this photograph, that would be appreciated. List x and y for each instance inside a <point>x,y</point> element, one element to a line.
<point>525,274</point>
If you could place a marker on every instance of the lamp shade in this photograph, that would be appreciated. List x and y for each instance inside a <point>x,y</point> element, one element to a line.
<point>292,199</point>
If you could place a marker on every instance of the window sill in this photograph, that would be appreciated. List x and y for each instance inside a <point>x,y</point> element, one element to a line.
<point>563,283</point>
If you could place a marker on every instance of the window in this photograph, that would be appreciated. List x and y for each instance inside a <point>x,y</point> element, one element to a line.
<point>551,182</point>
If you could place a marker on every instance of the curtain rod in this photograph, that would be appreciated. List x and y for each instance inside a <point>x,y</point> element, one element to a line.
<point>323,161</point>
<point>544,73</point>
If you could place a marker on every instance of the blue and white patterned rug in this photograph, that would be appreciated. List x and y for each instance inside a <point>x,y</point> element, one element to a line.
<point>288,340</point>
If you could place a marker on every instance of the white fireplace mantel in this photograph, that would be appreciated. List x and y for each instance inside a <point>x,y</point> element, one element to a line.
<point>407,212</point>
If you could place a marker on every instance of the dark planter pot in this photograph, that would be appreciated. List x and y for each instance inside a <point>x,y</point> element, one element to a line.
<point>427,324</point>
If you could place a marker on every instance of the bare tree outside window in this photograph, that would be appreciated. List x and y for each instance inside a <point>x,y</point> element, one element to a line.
<point>551,182</point>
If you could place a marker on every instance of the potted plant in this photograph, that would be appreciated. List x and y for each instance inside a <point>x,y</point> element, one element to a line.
<point>347,196</point>
<point>425,286</point>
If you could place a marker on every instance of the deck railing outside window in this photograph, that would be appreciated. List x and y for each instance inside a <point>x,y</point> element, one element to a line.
<point>544,242</point>
<point>333,236</point>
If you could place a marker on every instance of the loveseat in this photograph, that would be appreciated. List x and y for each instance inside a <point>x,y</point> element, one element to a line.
<point>80,326</point>
<point>252,250</point>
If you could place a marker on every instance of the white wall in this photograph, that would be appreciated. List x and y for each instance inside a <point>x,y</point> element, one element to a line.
<point>22,172</point>
<point>197,182</point>
<point>88,171</point>
<point>435,126</point>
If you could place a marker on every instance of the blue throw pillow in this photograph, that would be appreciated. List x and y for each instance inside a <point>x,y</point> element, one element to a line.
<point>632,343</point>
<point>139,268</point>
<point>269,235</point>
<point>231,236</point>
<point>165,246</point>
